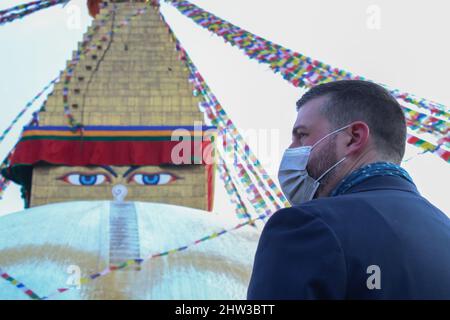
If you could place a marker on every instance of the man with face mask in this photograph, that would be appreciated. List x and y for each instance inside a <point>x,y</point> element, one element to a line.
<point>358,227</point>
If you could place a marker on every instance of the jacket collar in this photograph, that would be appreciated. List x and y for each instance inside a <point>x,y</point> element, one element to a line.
<point>384,183</point>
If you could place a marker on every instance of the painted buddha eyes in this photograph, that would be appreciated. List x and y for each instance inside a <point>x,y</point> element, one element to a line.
<point>152,179</point>
<point>95,179</point>
<point>81,179</point>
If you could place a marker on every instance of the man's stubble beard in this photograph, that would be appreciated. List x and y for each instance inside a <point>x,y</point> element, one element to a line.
<point>322,160</point>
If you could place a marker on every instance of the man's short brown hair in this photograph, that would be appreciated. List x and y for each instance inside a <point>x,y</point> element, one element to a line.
<point>357,100</point>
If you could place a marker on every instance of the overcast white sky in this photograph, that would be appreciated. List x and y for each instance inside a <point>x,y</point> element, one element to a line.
<point>409,51</point>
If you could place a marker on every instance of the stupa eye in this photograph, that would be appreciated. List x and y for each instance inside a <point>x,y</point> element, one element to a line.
<point>152,179</point>
<point>81,179</point>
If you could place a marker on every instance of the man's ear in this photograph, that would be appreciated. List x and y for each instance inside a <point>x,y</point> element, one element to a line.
<point>357,137</point>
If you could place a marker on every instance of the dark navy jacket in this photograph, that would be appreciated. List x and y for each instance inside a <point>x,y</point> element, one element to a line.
<point>323,248</point>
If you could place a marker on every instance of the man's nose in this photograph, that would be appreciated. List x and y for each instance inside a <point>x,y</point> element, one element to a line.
<point>295,144</point>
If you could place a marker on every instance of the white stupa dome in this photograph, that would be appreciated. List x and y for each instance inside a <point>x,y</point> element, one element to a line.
<point>42,246</point>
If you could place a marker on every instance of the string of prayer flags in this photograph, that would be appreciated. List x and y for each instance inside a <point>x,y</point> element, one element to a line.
<point>23,10</point>
<point>429,147</point>
<point>27,106</point>
<point>233,193</point>
<point>19,285</point>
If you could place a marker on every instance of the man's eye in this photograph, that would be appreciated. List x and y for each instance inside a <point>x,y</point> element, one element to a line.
<point>299,135</point>
<point>152,179</point>
<point>78,179</point>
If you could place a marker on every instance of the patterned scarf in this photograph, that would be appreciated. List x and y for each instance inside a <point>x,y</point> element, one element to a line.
<point>368,171</point>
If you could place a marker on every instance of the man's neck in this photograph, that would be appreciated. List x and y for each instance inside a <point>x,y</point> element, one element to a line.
<point>370,156</point>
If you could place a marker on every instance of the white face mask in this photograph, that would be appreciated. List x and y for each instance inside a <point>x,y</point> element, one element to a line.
<point>297,185</point>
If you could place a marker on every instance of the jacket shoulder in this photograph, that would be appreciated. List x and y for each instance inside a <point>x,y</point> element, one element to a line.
<point>298,257</point>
